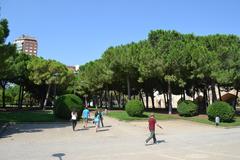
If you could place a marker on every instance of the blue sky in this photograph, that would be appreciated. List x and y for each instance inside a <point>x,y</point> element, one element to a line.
<point>78,31</point>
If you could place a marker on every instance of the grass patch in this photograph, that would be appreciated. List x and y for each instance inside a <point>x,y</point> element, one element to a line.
<point>123,116</point>
<point>205,120</point>
<point>28,116</point>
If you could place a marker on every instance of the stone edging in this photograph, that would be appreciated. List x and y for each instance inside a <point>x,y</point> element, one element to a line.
<point>4,127</point>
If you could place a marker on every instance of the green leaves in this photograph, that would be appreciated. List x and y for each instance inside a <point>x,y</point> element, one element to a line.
<point>185,60</point>
<point>47,71</point>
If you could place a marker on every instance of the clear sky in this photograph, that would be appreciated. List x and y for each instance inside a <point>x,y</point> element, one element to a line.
<point>77,31</point>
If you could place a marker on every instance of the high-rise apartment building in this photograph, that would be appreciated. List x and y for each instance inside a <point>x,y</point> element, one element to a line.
<point>27,44</point>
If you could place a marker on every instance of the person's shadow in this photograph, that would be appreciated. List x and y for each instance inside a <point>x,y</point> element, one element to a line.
<point>157,142</point>
<point>59,155</point>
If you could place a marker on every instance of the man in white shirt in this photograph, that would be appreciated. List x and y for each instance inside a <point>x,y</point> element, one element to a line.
<point>74,119</point>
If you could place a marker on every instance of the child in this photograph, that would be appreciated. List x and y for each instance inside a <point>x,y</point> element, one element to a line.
<point>74,119</point>
<point>85,116</point>
<point>151,125</point>
<point>101,117</point>
<point>217,120</point>
<point>97,119</point>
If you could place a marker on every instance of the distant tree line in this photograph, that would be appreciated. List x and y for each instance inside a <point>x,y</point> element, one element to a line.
<point>26,76</point>
<point>168,62</point>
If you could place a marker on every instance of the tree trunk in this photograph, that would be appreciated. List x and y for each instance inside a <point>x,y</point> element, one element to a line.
<point>219,92</point>
<point>31,101</point>
<point>141,97</point>
<point>170,98</point>
<point>194,91</point>
<point>42,102</point>
<point>117,98</point>
<point>123,102</point>
<point>235,100</point>
<point>108,97</point>
<point>22,95</point>
<point>205,98</point>
<point>3,96</point>
<point>152,98</point>
<point>105,98</point>
<point>147,106</point>
<point>94,100</point>
<point>184,97</point>
<point>208,96</point>
<point>47,95</point>
<point>165,100</point>
<point>100,99</point>
<point>214,95</point>
<point>128,88</point>
<point>19,96</point>
<point>111,100</point>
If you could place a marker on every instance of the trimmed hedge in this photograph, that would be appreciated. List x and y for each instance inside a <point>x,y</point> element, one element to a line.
<point>222,109</point>
<point>187,108</point>
<point>65,104</point>
<point>134,108</point>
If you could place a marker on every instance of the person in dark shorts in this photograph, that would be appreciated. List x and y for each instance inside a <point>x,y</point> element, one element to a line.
<point>85,116</point>
<point>101,117</point>
<point>97,119</point>
<point>151,125</point>
<point>74,119</point>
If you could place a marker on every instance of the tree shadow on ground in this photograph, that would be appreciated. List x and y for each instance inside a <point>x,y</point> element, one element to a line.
<point>59,155</point>
<point>30,128</point>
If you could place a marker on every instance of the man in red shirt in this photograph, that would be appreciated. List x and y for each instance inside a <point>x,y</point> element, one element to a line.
<point>151,124</point>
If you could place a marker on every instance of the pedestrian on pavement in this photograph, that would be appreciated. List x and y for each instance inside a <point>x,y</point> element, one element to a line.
<point>85,116</point>
<point>97,119</point>
<point>151,126</point>
<point>74,118</point>
<point>101,117</point>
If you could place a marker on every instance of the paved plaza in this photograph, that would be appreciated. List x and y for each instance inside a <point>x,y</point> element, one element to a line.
<point>179,140</point>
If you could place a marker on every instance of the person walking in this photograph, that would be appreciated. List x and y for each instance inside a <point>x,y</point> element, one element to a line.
<point>101,117</point>
<point>85,116</point>
<point>97,120</point>
<point>74,119</point>
<point>151,126</point>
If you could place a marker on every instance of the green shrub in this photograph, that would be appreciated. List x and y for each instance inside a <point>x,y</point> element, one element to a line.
<point>134,108</point>
<point>180,101</point>
<point>221,109</point>
<point>187,108</point>
<point>65,104</point>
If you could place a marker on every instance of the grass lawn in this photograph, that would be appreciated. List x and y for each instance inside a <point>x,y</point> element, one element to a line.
<point>28,116</point>
<point>122,115</point>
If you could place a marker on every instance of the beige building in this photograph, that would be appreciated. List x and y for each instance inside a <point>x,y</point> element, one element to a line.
<point>159,101</point>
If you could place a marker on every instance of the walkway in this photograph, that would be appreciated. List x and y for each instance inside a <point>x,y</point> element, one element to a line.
<point>179,140</point>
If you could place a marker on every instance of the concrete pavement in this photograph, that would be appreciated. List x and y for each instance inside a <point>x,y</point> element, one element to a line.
<point>179,140</point>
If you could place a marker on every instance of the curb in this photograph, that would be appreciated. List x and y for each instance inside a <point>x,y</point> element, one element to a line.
<point>4,127</point>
